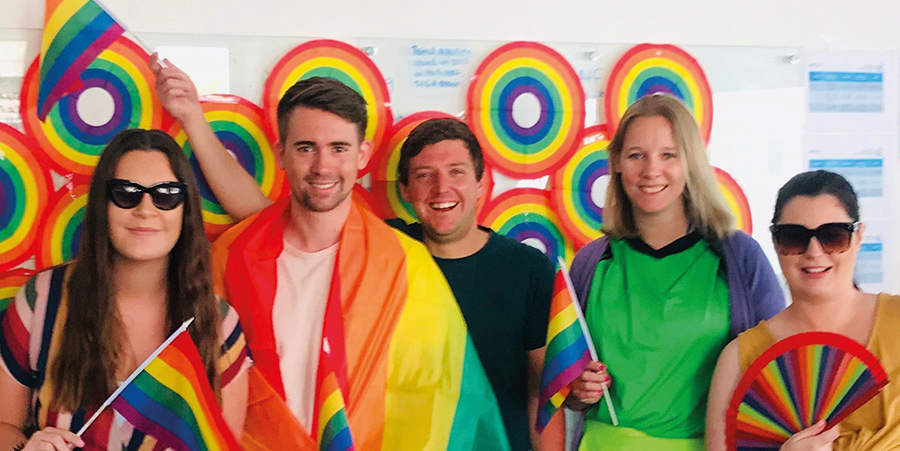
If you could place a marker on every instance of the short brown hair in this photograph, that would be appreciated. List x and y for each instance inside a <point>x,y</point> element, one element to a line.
<point>434,131</point>
<point>326,94</point>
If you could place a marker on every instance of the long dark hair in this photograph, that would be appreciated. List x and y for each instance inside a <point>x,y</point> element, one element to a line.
<point>83,373</point>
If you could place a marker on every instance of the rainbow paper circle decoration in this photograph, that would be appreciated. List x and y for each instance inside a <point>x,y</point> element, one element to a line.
<point>342,62</point>
<point>737,201</point>
<point>579,187</point>
<point>115,94</point>
<point>796,383</point>
<point>240,127</point>
<point>61,231</point>
<point>10,283</point>
<point>526,106</point>
<point>648,69</point>
<point>524,214</point>
<point>24,188</point>
<point>385,191</point>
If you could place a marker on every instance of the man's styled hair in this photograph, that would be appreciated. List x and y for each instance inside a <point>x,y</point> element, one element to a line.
<point>326,94</point>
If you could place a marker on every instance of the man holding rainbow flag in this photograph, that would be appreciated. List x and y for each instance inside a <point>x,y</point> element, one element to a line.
<point>350,322</point>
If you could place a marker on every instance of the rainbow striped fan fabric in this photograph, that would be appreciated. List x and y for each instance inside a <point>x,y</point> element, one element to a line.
<point>797,382</point>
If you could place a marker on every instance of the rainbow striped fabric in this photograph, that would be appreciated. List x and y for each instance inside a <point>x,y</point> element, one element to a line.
<point>330,421</point>
<point>75,32</point>
<point>413,377</point>
<point>333,430</point>
<point>567,352</point>
<point>172,401</point>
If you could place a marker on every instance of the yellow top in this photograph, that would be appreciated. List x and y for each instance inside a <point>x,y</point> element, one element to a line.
<point>875,425</point>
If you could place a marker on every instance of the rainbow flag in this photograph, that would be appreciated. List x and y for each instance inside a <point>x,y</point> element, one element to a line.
<point>330,422</point>
<point>75,33</point>
<point>569,350</point>
<point>333,430</point>
<point>169,398</point>
<point>409,378</point>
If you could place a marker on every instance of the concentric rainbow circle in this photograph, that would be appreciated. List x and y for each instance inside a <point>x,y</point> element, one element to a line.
<point>658,68</point>
<point>240,127</point>
<point>61,232</point>
<point>578,188</point>
<point>73,145</point>
<point>524,214</point>
<point>507,74</point>
<point>736,200</point>
<point>342,62</point>
<point>24,188</point>
<point>10,283</point>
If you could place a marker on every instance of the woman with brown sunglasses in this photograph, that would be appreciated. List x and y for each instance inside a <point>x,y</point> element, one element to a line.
<point>817,235</point>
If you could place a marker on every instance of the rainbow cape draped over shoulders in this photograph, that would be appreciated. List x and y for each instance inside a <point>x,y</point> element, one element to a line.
<point>414,377</point>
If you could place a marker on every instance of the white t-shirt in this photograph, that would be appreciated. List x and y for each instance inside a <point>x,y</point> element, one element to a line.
<point>297,317</point>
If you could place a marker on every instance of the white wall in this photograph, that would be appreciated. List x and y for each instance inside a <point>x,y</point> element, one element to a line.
<point>805,24</point>
<point>801,23</point>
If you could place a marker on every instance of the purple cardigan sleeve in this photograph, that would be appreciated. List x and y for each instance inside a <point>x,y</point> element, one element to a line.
<point>754,290</point>
<point>583,266</point>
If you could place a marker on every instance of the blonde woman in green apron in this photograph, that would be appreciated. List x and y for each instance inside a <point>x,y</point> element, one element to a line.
<point>665,289</point>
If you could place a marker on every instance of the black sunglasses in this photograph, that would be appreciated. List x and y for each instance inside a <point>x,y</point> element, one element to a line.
<point>793,239</point>
<point>127,194</point>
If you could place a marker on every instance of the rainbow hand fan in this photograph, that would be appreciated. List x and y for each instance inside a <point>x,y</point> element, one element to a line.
<point>797,382</point>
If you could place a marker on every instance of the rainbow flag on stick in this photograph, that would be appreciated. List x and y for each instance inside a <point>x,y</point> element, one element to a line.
<point>169,397</point>
<point>75,33</point>
<point>569,350</point>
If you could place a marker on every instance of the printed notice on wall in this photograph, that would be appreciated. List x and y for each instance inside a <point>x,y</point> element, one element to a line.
<point>849,91</point>
<point>860,159</point>
<point>871,262</point>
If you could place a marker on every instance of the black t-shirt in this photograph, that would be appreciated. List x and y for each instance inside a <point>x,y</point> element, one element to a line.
<point>504,292</point>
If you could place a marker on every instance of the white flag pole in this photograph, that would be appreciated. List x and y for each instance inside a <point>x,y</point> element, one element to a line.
<point>587,336</point>
<point>134,374</point>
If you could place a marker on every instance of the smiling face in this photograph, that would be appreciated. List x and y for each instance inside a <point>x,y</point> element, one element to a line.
<point>444,190</point>
<point>652,172</point>
<point>322,154</point>
<point>144,233</point>
<point>815,273</point>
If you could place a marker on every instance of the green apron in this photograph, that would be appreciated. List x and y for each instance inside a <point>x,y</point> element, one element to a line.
<point>659,319</point>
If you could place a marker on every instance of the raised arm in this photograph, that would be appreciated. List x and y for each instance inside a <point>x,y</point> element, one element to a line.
<point>235,189</point>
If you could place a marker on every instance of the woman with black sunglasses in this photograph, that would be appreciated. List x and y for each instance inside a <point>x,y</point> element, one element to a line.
<point>817,234</point>
<point>76,331</point>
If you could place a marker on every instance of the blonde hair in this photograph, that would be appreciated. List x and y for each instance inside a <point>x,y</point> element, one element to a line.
<point>704,205</point>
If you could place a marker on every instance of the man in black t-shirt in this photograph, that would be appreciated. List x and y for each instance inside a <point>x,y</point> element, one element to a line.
<point>503,287</point>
